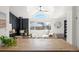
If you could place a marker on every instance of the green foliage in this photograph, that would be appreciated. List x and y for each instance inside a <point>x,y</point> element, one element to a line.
<point>8,41</point>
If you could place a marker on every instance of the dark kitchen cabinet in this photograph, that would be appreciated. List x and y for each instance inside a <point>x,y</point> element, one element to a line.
<point>13,20</point>
<point>24,24</point>
<point>19,23</point>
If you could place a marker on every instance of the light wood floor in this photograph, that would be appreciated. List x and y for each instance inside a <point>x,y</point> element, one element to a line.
<point>40,45</point>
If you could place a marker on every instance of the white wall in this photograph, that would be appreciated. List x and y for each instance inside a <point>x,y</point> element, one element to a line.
<point>76,26</point>
<point>54,29</point>
<point>69,24</point>
<point>5,9</point>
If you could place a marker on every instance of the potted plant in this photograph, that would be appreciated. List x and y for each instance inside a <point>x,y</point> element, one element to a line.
<point>7,41</point>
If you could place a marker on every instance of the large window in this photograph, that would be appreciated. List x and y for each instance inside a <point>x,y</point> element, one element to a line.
<point>40,26</point>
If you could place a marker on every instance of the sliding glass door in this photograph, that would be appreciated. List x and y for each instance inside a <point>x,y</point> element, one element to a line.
<point>39,29</point>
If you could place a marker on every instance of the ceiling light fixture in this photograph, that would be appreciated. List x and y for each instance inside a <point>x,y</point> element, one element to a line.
<point>42,9</point>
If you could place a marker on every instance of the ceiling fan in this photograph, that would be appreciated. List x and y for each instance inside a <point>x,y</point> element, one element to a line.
<point>42,9</point>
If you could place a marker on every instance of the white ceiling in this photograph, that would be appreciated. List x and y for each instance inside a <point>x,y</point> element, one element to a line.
<point>27,12</point>
<point>53,11</point>
<point>19,11</point>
